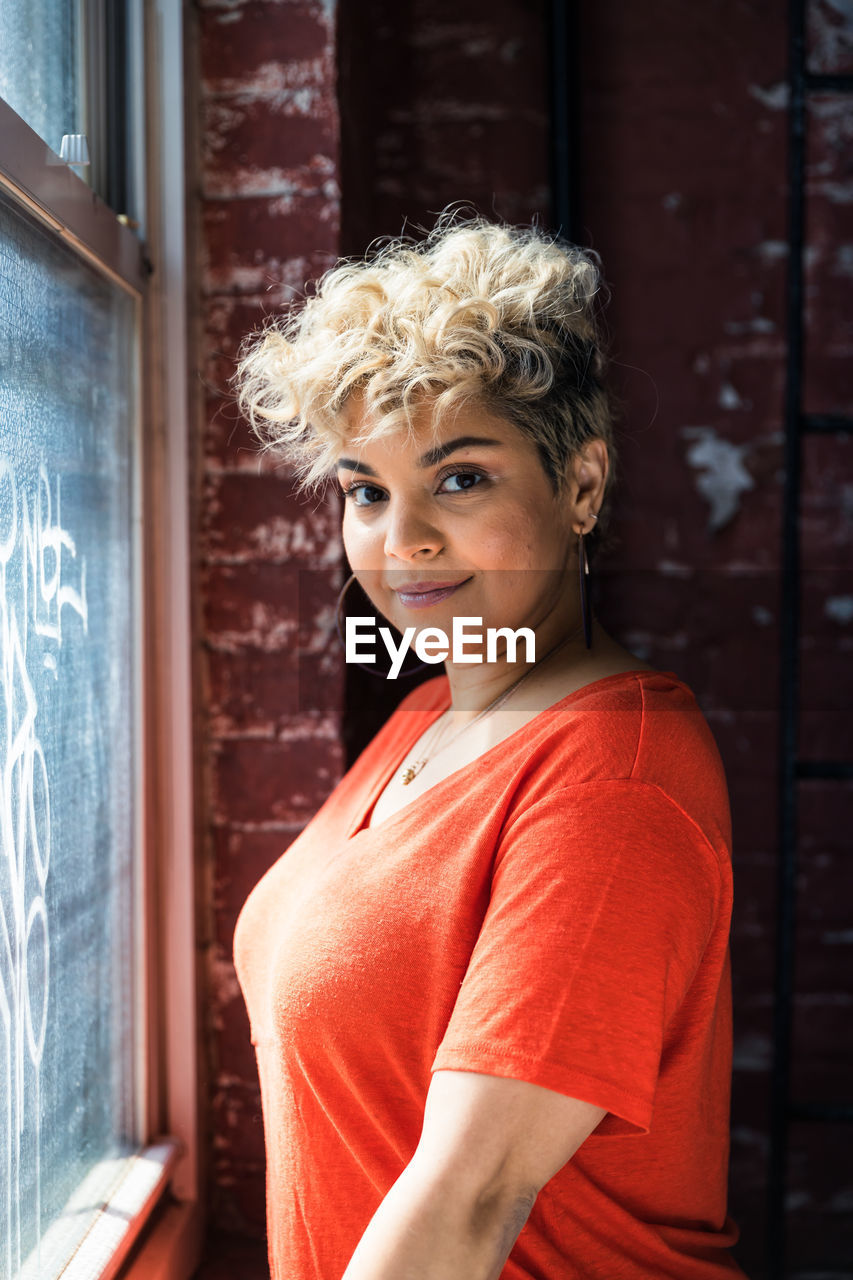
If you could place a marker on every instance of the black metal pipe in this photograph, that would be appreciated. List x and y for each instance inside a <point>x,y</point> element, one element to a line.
<point>829,423</point>
<point>833,1112</point>
<point>820,82</point>
<point>565,106</point>
<point>835,770</point>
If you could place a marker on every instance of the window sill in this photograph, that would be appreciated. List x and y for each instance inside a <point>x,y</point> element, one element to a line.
<point>136,1230</point>
<point>169,1247</point>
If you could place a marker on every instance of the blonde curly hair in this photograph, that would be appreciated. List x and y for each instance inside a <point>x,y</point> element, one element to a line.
<point>477,311</point>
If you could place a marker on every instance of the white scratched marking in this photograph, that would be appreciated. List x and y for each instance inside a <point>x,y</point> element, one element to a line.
<point>36,554</point>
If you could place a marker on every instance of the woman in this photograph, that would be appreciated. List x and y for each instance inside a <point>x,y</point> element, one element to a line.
<point>489,983</point>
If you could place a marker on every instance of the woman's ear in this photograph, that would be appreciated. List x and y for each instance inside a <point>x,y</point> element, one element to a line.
<point>587,478</point>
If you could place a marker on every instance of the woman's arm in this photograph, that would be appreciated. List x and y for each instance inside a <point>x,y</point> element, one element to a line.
<point>487,1148</point>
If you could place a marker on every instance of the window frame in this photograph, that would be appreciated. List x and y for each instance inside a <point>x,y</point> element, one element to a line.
<point>161,1213</point>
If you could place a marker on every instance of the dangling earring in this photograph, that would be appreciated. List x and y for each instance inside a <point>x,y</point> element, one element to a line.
<point>583,572</point>
<point>381,675</point>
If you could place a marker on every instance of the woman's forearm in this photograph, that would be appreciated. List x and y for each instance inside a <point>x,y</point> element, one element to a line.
<point>430,1229</point>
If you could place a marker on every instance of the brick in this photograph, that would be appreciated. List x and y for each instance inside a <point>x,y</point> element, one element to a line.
<point>820,1193</point>
<point>441,104</point>
<point>300,599</point>
<point>826,647</point>
<point>829,37</point>
<point>238,1205</point>
<point>269,247</point>
<point>663,505</point>
<point>273,606</point>
<point>826,508</point>
<point>261,518</point>
<point>716,629</point>
<point>229,1255</point>
<point>238,44</point>
<point>257,693</point>
<point>237,1111</point>
<point>229,321</point>
<point>822,1046</point>
<point>828,365</point>
<point>234,1052</point>
<point>241,859</point>
<point>748,1166</point>
<point>268,222</point>
<point>258,145</point>
<point>228,441</point>
<point>465,151</point>
<point>256,781</point>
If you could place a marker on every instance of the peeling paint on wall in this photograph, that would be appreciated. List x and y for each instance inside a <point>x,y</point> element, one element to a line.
<point>729,398</point>
<point>674,569</point>
<point>278,83</point>
<point>831,35</point>
<point>775,97</point>
<point>269,203</point>
<point>772,250</point>
<point>722,476</point>
<point>840,609</point>
<point>753,1051</point>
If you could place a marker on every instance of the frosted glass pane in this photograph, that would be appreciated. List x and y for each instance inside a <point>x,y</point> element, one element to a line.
<point>38,64</point>
<point>67,413</point>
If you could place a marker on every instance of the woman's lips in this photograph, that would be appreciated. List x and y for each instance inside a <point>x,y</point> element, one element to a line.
<point>426,594</point>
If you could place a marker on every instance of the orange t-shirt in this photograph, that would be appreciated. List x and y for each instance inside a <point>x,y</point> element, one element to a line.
<point>557,911</point>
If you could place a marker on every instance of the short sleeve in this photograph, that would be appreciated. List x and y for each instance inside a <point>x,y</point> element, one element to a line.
<point>603,899</point>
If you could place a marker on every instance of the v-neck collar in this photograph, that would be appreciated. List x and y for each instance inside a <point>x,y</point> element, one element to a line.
<point>361,817</point>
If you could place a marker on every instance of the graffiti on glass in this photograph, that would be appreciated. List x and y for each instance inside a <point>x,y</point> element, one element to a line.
<point>42,594</point>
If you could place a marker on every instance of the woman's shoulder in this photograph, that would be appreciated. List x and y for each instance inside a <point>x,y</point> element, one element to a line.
<point>641,728</point>
<point>645,712</point>
<point>623,714</point>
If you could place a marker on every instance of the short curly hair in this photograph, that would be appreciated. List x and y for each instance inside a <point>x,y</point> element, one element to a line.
<point>477,311</point>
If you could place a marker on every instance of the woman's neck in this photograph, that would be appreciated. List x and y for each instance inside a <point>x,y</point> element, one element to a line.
<point>560,651</point>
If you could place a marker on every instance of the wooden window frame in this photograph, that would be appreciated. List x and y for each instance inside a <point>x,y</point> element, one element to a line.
<point>157,1233</point>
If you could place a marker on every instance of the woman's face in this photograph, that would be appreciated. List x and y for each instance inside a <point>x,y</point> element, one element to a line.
<point>463,522</point>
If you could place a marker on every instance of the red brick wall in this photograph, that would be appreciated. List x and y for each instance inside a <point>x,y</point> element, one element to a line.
<point>441,102</point>
<point>684,194</point>
<point>268,220</point>
<point>822,1182</point>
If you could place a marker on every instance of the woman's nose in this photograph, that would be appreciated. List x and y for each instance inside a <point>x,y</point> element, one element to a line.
<point>408,531</point>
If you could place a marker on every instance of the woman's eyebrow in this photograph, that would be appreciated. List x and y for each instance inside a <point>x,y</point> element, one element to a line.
<point>350,464</point>
<point>430,458</point>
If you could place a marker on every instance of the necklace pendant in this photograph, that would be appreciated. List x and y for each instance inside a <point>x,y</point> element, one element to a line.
<point>411,772</point>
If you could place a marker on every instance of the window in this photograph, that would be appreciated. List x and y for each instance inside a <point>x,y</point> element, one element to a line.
<point>40,72</point>
<point>68,435</point>
<point>96,1053</point>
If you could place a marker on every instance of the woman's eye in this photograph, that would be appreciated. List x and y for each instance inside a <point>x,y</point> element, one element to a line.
<point>459,481</point>
<point>364,495</point>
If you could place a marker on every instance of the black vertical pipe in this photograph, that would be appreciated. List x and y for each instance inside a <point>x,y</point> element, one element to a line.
<point>564,54</point>
<point>789,658</point>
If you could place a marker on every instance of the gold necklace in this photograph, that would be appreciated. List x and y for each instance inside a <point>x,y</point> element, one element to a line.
<point>411,771</point>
